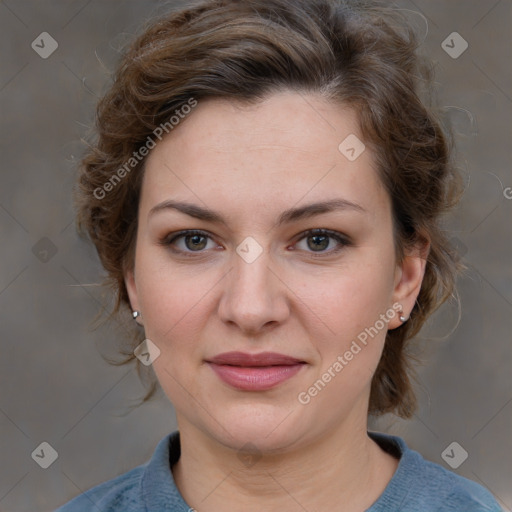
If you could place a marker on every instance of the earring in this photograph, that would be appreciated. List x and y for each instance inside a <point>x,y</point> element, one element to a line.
<point>402,317</point>
<point>136,314</point>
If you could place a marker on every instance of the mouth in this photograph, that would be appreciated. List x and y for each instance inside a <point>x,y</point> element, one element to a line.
<point>255,372</point>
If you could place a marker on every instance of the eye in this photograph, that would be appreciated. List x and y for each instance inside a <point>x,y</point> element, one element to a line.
<point>319,240</point>
<point>189,241</point>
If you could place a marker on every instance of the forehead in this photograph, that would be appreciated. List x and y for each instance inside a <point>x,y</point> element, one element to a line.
<point>276,151</point>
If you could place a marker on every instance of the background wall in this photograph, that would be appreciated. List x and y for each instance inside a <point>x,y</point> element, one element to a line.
<point>54,385</point>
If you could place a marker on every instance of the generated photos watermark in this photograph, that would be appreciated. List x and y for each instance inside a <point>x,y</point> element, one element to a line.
<point>143,151</point>
<point>304,397</point>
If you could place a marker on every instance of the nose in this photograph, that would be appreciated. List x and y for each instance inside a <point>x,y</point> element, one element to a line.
<point>254,297</point>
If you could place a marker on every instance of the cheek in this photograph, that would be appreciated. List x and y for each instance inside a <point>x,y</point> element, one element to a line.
<point>177,312</point>
<point>350,304</point>
<point>352,299</point>
<point>173,302</point>
<point>350,349</point>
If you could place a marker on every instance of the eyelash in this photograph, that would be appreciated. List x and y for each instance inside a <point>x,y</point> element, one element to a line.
<point>342,240</point>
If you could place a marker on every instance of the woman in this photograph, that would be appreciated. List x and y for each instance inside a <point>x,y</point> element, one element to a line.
<point>265,196</point>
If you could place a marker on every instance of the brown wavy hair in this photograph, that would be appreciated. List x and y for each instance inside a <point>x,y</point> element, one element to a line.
<point>353,52</point>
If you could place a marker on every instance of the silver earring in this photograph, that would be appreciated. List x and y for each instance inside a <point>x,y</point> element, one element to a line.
<point>402,317</point>
<point>136,314</point>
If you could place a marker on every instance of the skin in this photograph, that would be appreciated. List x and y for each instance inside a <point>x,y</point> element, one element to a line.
<point>250,163</point>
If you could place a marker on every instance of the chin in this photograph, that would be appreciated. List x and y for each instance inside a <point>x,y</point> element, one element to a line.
<point>269,428</point>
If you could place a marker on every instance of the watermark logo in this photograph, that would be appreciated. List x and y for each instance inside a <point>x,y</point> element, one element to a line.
<point>147,352</point>
<point>249,455</point>
<point>44,250</point>
<point>249,250</point>
<point>44,45</point>
<point>454,45</point>
<point>351,147</point>
<point>454,455</point>
<point>45,455</point>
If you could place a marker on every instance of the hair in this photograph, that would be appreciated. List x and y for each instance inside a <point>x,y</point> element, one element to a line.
<point>357,53</point>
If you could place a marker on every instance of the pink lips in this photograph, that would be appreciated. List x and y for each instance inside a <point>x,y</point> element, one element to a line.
<point>254,372</point>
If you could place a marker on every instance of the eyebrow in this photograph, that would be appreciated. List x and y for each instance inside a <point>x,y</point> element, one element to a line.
<point>288,216</point>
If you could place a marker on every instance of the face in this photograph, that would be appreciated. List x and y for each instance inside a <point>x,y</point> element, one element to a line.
<point>231,257</point>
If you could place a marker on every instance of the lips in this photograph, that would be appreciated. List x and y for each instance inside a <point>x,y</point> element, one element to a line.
<point>254,372</point>
<point>261,359</point>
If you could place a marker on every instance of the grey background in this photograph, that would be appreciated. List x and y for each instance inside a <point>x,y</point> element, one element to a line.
<point>54,384</point>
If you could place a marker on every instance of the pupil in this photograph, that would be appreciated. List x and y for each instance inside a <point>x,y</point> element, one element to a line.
<point>319,238</point>
<point>196,241</point>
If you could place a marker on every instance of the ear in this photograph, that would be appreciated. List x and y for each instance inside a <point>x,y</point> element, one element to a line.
<point>131,287</point>
<point>408,278</point>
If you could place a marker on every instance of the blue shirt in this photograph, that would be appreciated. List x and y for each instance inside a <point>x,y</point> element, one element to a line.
<point>417,486</point>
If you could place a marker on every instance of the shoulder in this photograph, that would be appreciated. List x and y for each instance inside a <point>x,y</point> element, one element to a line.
<point>424,486</point>
<point>452,492</point>
<point>120,493</point>
<point>149,486</point>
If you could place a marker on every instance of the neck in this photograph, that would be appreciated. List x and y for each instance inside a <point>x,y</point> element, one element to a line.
<point>342,466</point>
